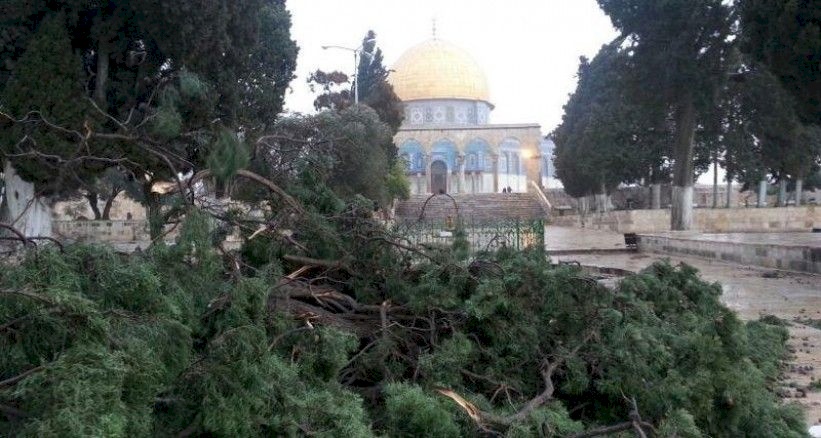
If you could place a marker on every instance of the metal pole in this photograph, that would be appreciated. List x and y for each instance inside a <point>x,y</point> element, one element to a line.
<point>356,77</point>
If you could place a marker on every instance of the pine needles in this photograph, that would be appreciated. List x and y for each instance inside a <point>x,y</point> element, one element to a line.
<point>176,342</point>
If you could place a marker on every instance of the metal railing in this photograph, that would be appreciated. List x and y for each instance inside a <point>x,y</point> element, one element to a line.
<point>480,235</point>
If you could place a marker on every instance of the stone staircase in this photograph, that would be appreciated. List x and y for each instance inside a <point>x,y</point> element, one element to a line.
<point>479,207</point>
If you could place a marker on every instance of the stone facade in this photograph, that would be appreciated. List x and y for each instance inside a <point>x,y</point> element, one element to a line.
<point>446,138</point>
<point>475,159</point>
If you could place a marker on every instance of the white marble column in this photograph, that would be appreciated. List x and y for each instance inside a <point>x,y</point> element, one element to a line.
<point>495,160</point>
<point>762,194</point>
<point>428,176</point>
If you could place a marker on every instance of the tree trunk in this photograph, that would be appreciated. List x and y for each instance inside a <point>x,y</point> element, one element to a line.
<point>655,192</point>
<point>109,203</point>
<point>729,193</point>
<point>153,212</point>
<point>782,192</point>
<point>681,216</point>
<point>603,199</point>
<point>799,191</point>
<point>103,59</point>
<point>92,202</point>
<point>715,181</point>
<point>21,208</point>
<point>762,194</point>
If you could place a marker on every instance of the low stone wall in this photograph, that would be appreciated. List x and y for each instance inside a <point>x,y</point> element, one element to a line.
<point>118,232</point>
<point>707,220</point>
<point>768,255</point>
<point>102,231</point>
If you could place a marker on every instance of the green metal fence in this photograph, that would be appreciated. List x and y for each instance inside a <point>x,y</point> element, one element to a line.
<point>481,235</point>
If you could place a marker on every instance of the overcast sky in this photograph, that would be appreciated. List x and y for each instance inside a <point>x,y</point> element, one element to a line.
<point>529,49</point>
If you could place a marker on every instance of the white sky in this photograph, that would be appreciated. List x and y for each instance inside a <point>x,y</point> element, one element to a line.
<point>529,49</point>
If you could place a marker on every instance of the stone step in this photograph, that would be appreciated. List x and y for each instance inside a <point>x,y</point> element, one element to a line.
<point>472,207</point>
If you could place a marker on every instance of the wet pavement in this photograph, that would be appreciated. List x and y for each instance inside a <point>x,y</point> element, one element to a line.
<point>568,239</point>
<point>750,291</point>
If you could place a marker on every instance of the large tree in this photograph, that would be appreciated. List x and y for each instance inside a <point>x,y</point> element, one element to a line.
<point>679,50</point>
<point>784,36</point>
<point>155,85</point>
<point>350,151</point>
<point>605,138</point>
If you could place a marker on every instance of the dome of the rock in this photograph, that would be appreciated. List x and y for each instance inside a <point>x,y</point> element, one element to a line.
<point>437,69</point>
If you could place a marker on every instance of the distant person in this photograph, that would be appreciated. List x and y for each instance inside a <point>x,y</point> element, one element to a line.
<point>509,190</point>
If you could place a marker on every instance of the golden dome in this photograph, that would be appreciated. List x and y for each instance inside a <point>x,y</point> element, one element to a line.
<point>438,70</point>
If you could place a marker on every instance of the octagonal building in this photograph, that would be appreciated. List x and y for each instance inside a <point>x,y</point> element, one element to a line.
<point>446,139</point>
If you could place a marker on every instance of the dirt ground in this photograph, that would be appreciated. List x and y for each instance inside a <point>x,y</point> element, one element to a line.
<point>754,292</point>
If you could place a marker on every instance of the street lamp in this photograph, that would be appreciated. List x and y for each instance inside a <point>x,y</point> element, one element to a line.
<point>356,52</point>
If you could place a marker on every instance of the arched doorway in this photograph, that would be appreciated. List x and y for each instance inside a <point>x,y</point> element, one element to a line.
<point>438,177</point>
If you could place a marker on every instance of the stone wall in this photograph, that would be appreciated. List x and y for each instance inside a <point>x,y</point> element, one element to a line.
<point>768,255</point>
<point>705,220</point>
<point>102,231</point>
<point>116,232</point>
<point>122,209</point>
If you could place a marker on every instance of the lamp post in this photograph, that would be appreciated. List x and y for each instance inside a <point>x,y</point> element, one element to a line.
<point>356,52</point>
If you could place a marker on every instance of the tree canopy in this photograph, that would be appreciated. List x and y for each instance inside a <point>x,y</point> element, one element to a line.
<point>144,86</point>
<point>695,82</point>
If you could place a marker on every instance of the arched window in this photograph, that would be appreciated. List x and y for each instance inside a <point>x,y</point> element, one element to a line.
<point>418,162</point>
<point>446,151</point>
<point>411,151</point>
<point>472,162</point>
<point>479,148</point>
<point>510,148</point>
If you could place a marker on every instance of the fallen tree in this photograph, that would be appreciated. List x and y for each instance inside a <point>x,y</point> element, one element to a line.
<point>361,335</point>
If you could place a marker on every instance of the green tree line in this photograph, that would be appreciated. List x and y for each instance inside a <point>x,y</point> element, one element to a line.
<point>689,83</point>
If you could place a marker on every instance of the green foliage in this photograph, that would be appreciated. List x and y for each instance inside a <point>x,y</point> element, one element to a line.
<point>786,36</point>
<point>228,155</point>
<point>681,424</point>
<point>143,86</point>
<point>410,412</point>
<point>397,184</point>
<point>47,78</point>
<point>606,137</point>
<point>331,155</point>
<point>174,341</point>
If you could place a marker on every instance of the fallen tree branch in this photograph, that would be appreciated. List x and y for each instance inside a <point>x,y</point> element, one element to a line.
<point>290,200</point>
<point>13,380</point>
<point>28,294</point>
<point>330,264</point>
<point>548,368</point>
<point>20,236</point>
